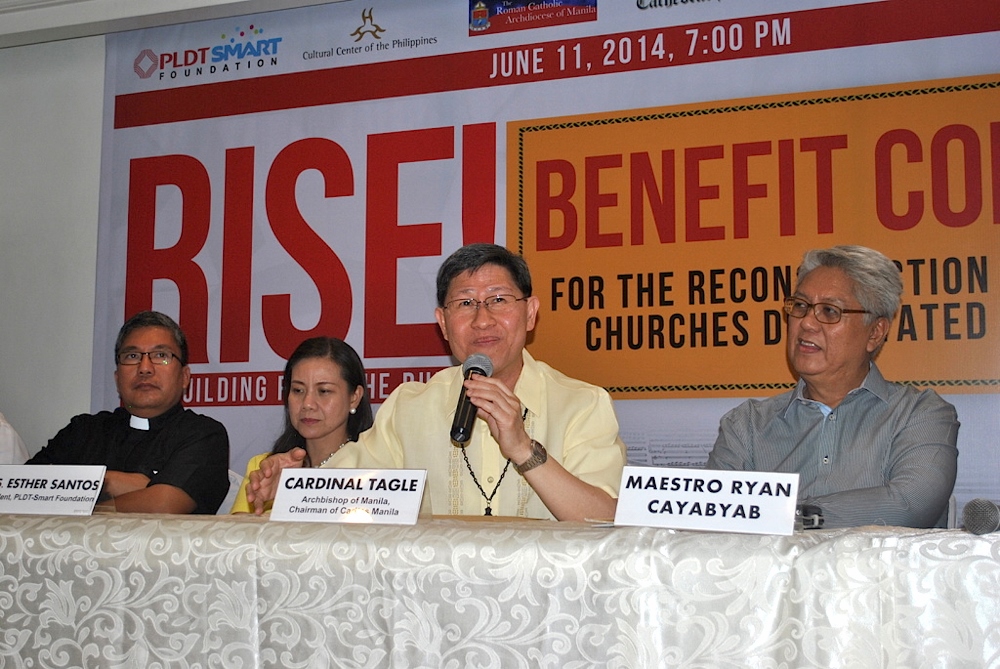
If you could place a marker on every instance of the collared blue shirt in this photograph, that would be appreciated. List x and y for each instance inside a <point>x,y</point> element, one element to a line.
<point>886,455</point>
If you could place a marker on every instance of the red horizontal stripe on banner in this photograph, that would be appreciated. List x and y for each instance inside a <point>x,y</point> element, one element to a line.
<point>792,32</point>
<point>264,388</point>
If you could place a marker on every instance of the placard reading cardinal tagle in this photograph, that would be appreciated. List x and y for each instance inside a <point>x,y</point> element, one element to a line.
<point>386,496</point>
<point>703,499</point>
<point>69,490</point>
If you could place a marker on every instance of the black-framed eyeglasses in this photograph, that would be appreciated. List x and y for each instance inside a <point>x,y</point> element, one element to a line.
<point>495,304</point>
<point>824,313</point>
<point>155,357</point>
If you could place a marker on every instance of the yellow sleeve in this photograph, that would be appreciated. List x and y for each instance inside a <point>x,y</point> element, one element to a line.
<point>240,504</point>
<point>379,447</point>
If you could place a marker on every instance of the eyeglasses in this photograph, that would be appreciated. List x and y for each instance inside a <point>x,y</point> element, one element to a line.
<point>824,313</point>
<point>497,304</point>
<point>155,357</point>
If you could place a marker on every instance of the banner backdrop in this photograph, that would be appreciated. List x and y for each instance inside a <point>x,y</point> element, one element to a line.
<point>662,166</point>
<point>689,224</point>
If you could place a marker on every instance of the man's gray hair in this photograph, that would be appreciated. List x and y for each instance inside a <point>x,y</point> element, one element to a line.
<point>878,284</point>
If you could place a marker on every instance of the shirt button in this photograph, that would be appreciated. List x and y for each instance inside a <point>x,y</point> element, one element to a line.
<point>826,459</point>
<point>833,416</point>
<point>489,480</point>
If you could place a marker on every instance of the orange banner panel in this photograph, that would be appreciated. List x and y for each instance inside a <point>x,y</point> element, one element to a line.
<point>663,241</point>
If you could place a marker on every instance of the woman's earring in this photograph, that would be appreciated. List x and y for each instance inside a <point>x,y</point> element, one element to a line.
<point>353,410</point>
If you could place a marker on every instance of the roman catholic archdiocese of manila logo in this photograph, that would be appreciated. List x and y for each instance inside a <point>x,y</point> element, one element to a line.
<point>480,19</point>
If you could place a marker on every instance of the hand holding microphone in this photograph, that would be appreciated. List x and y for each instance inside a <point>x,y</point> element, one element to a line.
<point>465,412</point>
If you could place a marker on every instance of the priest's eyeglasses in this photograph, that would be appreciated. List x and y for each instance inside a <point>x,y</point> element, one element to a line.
<point>155,357</point>
<point>824,313</point>
<point>496,304</point>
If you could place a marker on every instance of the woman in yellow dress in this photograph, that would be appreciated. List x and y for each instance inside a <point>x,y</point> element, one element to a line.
<point>326,405</point>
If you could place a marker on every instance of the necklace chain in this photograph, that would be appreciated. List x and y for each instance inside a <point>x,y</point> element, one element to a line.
<point>489,499</point>
<point>327,458</point>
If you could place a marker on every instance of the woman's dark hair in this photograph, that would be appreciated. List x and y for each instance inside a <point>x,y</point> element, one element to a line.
<point>351,370</point>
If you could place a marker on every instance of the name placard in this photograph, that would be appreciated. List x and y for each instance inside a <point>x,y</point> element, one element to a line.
<point>705,499</point>
<point>385,496</point>
<point>64,490</point>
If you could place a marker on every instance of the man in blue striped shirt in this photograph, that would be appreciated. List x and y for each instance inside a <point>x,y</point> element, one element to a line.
<point>868,451</point>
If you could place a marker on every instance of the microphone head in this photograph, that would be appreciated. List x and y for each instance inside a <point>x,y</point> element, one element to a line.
<point>478,363</point>
<point>981,516</point>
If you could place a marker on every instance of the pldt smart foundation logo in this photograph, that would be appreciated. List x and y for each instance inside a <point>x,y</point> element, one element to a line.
<point>242,49</point>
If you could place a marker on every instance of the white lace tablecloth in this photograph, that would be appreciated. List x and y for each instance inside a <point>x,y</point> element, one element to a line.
<point>156,591</point>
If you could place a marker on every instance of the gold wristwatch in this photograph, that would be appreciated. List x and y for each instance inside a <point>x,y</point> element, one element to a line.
<point>538,457</point>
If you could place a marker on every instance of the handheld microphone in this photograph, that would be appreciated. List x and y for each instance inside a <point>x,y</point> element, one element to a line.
<point>981,516</point>
<point>465,413</point>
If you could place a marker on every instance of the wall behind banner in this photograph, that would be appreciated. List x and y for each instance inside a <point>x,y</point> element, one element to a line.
<point>50,154</point>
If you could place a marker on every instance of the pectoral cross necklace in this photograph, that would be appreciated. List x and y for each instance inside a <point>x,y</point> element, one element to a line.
<point>489,498</point>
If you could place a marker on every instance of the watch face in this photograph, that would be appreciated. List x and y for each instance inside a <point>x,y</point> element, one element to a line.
<point>538,457</point>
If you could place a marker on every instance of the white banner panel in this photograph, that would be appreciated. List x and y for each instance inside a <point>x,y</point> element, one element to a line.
<point>303,172</point>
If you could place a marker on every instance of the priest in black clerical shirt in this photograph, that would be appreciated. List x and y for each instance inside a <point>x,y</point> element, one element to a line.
<point>161,457</point>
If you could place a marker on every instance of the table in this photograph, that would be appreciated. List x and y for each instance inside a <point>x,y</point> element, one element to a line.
<point>184,591</point>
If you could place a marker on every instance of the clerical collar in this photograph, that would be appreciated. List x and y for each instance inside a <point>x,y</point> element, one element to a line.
<point>154,423</point>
